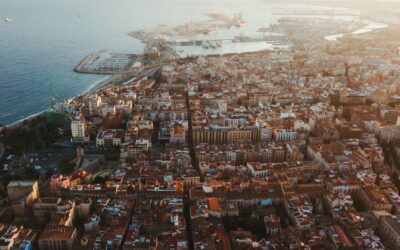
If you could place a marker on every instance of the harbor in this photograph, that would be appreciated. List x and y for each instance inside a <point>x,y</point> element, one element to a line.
<point>103,62</point>
<point>273,125</point>
<point>215,43</point>
<point>86,34</point>
<point>164,43</point>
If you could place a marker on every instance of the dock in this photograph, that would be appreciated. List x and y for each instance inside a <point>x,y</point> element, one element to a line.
<point>102,62</point>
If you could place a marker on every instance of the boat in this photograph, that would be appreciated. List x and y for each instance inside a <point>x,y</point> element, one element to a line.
<point>241,23</point>
<point>8,20</point>
<point>208,31</point>
<point>212,44</point>
<point>240,38</point>
<point>224,17</point>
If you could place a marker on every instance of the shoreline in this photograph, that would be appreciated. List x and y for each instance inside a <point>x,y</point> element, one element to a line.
<point>116,78</point>
<point>19,122</point>
<point>112,79</point>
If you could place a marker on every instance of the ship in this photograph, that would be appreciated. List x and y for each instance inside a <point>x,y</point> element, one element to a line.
<point>223,17</point>
<point>205,45</point>
<point>240,39</point>
<point>239,22</point>
<point>231,20</point>
<point>8,20</point>
<point>209,31</point>
<point>212,44</point>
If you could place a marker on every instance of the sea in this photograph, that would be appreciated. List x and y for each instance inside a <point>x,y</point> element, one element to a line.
<point>48,38</point>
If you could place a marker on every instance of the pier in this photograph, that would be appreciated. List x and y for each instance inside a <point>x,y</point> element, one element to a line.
<point>278,40</point>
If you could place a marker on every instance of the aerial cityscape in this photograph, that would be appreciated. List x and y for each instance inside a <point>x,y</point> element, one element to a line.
<point>199,124</point>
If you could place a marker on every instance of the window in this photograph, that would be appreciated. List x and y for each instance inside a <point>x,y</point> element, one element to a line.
<point>64,245</point>
<point>45,245</point>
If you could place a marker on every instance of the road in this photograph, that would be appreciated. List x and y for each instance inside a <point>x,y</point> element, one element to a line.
<point>144,73</point>
<point>127,78</point>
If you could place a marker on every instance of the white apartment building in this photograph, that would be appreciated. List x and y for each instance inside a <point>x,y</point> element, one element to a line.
<point>79,129</point>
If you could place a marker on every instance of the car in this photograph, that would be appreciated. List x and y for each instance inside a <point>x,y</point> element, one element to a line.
<point>10,157</point>
<point>6,168</point>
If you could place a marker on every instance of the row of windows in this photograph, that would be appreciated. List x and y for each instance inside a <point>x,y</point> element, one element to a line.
<point>53,245</point>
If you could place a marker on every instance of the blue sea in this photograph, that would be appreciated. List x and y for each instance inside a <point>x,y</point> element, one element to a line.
<point>48,38</point>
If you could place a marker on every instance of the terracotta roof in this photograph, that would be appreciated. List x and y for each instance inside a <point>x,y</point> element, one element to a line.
<point>56,232</point>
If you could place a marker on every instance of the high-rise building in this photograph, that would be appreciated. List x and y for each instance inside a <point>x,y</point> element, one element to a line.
<point>79,129</point>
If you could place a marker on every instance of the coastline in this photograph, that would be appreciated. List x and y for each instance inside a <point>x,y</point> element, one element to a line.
<point>97,85</point>
<point>109,81</point>
<point>18,123</point>
<point>113,79</point>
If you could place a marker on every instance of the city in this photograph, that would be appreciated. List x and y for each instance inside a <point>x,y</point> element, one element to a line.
<point>295,147</point>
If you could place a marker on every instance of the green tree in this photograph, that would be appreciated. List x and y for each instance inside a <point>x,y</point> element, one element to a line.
<point>66,166</point>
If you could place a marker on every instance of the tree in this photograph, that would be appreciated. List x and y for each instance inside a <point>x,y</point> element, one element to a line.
<point>66,166</point>
<point>31,173</point>
<point>49,173</point>
<point>99,180</point>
